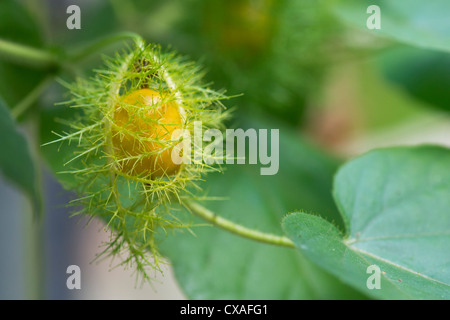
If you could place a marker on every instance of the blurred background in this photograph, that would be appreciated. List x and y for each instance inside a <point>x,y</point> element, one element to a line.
<point>296,63</point>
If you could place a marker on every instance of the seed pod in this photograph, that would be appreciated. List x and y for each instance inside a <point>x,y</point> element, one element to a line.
<point>132,113</point>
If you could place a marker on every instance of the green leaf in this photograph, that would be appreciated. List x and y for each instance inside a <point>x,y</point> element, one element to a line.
<point>16,162</point>
<point>215,264</point>
<point>54,121</point>
<point>416,22</point>
<point>395,204</point>
<point>17,25</point>
<point>428,81</point>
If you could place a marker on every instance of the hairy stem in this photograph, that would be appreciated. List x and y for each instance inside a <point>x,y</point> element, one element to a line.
<point>232,227</point>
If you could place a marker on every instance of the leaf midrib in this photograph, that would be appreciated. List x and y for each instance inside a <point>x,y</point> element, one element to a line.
<point>352,241</point>
<point>360,252</point>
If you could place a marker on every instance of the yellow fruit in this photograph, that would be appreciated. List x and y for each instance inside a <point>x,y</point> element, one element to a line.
<point>143,127</point>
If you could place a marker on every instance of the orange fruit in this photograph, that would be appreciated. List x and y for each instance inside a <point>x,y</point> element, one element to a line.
<point>143,127</point>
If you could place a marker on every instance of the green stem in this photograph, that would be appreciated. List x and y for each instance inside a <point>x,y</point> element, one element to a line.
<point>39,58</point>
<point>27,55</point>
<point>232,227</point>
<point>100,44</point>
<point>28,101</point>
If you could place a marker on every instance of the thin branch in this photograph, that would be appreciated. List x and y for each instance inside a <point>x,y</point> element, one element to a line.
<point>30,56</point>
<point>31,98</point>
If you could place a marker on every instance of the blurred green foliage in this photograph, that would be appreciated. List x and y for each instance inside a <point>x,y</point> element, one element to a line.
<point>17,24</point>
<point>279,56</point>
<point>16,161</point>
<point>423,74</point>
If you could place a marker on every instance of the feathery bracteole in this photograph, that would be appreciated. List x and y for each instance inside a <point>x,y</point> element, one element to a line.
<point>124,137</point>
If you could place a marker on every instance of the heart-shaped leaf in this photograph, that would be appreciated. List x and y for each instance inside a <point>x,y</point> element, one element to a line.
<point>396,207</point>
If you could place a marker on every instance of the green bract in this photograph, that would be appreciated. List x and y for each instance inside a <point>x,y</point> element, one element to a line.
<point>136,207</point>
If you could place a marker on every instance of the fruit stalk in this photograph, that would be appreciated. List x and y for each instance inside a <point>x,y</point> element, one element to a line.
<point>237,229</point>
